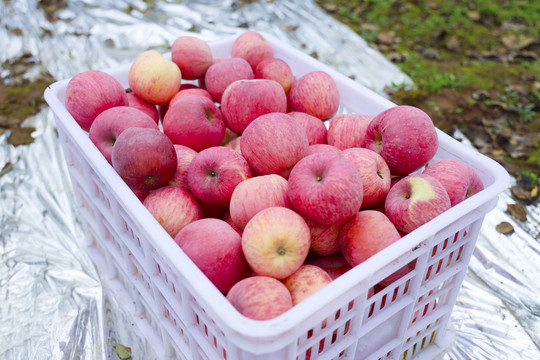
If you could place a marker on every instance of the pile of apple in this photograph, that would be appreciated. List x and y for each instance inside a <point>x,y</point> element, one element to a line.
<point>255,175</point>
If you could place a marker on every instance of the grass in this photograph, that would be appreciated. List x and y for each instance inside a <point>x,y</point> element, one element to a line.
<point>460,47</point>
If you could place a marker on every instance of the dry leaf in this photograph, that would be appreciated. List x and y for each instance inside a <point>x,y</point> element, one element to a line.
<point>517,211</point>
<point>505,228</point>
<point>514,42</point>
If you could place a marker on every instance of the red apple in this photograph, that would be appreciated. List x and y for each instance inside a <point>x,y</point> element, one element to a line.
<point>458,178</point>
<point>252,47</point>
<point>255,194</point>
<point>144,158</point>
<point>223,73</point>
<point>314,127</point>
<point>306,281</point>
<point>228,219</point>
<point>367,233</point>
<point>216,249</point>
<point>149,109</point>
<point>275,69</point>
<point>324,237</point>
<point>173,207</point>
<point>190,91</point>
<point>273,143</point>
<point>245,100</point>
<point>325,188</point>
<point>318,148</point>
<point>192,55</point>
<point>229,136</point>
<point>348,130</point>
<point>194,121</point>
<point>234,144</point>
<point>260,297</point>
<point>415,200</point>
<point>154,78</point>
<point>315,93</point>
<point>90,93</point>
<point>184,155</point>
<point>215,172</point>
<point>374,172</point>
<point>404,136</point>
<point>276,242</point>
<point>108,125</point>
<point>334,265</point>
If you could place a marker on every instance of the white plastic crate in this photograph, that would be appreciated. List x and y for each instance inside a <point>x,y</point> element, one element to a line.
<point>182,315</point>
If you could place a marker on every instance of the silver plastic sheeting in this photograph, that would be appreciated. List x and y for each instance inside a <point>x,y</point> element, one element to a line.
<point>52,302</point>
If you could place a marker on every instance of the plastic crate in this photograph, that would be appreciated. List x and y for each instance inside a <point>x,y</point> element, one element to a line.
<point>182,315</point>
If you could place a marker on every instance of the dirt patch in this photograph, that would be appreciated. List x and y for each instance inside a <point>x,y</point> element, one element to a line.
<point>21,97</point>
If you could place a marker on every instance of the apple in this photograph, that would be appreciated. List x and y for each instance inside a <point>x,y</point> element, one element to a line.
<point>414,200</point>
<point>215,172</point>
<point>252,47</point>
<point>374,172</point>
<point>228,219</point>
<point>276,242</point>
<point>184,156</point>
<point>223,73</point>
<point>334,265</point>
<point>112,122</point>
<point>364,235</point>
<point>275,69</point>
<point>315,93</point>
<point>306,281</point>
<point>144,158</point>
<point>245,100</point>
<point>318,148</point>
<point>396,275</point>
<point>260,297</point>
<point>314,127</point>
<point>229,136</point>
<point>140,194</point>
<point>234,144</point>
<point>458,178</point>
<point>348,130</point>
<point>149,109</point>
<point>324,237</point>
<point>154,78</point>
<point>216,249</point>
<point>325,188</point>
<point>404,136</point>
<point>185,90</point>
<point>215,60</point>
<point>190,91</point>
<point>90,93</point>
<point>273,143</point>
<point>194,121</point>
<point>192,55</point>
<point>173,207</point>
<point>255,194</point>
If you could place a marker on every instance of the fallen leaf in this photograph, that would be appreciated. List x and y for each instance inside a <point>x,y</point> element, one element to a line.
<point>517,211</point>
<point>514,42</point>
<point>504,228</point>
<point>123,352</point>
<point>386,38</point>
<point>453,43</point>
<point>524,194</point>
<point>21,136</point>
<point>474,15</point>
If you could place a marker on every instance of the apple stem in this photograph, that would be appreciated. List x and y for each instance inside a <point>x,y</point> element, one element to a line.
<point>281,251</point>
